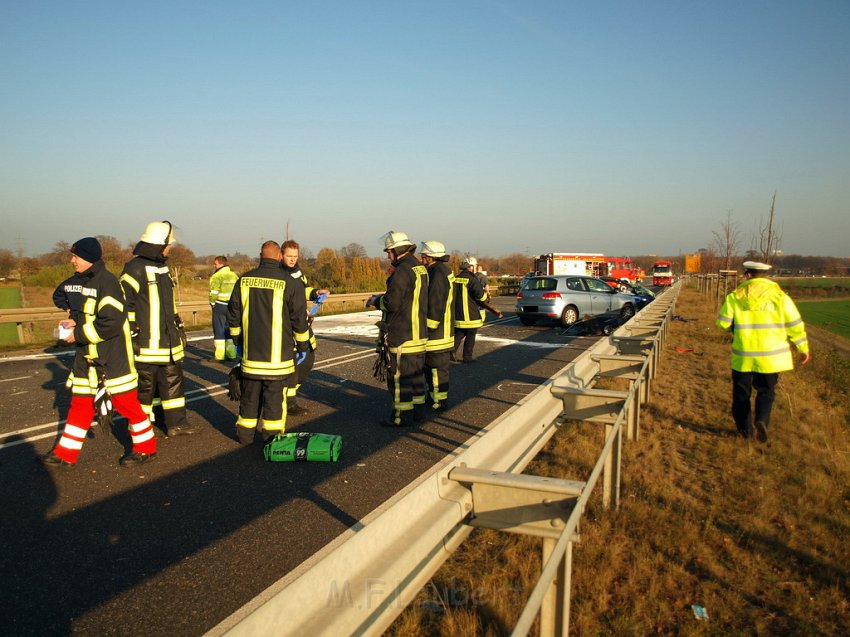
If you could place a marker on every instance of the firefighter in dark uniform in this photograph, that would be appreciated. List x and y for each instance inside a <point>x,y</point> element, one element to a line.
<point>469,293</point>
<point>290,251</point>
<point>441,316</point>
<point>404,328</point>
<point>104,357</point>
<point>267,317</point>
<point>158,336</point>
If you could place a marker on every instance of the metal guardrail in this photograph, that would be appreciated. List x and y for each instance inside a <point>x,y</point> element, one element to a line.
<point>191,311</point>
<point>361,582</point>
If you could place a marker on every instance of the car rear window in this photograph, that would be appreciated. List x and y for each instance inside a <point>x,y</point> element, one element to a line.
<point>541,284</point>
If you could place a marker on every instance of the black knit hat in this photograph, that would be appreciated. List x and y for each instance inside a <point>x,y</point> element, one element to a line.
<point>88,248</point>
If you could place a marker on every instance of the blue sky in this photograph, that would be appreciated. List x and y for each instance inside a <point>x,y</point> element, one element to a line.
<point>496,127</point>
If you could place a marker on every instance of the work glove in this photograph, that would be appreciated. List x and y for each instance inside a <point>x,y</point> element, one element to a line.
<point>134,338</point>
<point>103,405</point>
<point>181,330</point>
<point>300,357</point>
<point>234,383</point>
<point>317,304</point>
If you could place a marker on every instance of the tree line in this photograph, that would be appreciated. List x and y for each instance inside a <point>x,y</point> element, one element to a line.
<point>350,269</point>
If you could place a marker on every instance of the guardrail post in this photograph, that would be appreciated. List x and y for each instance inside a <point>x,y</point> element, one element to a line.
<point>643,345</point>
<point>555,609</point>
<point>529,505</point>
<point>611,474</point>
<point>632,368</point>
<point>605,406</point>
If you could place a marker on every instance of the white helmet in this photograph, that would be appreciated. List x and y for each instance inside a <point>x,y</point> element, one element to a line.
<point>394,239</point>
<point>469,262</point>
<point>432,249</point>
<point>159,233</point>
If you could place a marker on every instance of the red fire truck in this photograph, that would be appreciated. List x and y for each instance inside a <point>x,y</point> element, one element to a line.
<point>622,268</point>
<point>662,273</point>
<point>587,263</point>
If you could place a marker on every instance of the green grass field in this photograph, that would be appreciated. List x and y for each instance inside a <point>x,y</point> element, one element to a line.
<point>829,315</point>
<point>9,297</point>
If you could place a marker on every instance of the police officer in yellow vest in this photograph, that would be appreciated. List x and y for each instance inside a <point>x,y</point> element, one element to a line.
<point>221,286</point>
<point>763,320</point>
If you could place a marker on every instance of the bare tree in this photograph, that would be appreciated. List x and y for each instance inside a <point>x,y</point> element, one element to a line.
<point>770,236</point>
<point>726,240</point>
<point>353,250</point>
<point>7,262</point>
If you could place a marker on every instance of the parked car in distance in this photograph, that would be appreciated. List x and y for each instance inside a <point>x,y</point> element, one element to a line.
<point>569,298</point>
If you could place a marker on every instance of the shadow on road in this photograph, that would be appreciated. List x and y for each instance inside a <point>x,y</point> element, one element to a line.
<point>172,549</point>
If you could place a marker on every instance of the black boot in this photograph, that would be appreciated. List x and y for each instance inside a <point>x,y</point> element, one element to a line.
<point>244,435</point>
<point>182,429</point>
<point>52,460</point>
<point>294,409</point>
<point>135,458</point>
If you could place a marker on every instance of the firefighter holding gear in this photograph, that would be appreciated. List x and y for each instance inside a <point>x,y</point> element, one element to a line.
<point>267,317</point>
<point>158,336</point>
<point>441,316</point>
<point>101,333</point>
<point>221,285</point>
<point>404,328</point>
<point>469,295</point>
<point>763,320</point>
<point>290,251</point>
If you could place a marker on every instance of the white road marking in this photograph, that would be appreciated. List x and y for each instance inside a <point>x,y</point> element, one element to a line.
<point>8,380</point>
<point>191,396</point>
<point>354,327</point>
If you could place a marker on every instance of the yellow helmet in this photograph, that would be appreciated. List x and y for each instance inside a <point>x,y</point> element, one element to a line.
<point>395,239</point>
<point>432,249</point>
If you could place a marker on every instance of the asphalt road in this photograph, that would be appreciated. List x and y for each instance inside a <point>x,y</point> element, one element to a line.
<point>177,545</point>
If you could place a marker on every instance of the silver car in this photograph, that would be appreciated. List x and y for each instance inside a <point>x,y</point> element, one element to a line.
<point>569,298</point>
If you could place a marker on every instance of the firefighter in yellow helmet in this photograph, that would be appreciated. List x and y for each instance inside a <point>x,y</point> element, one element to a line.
<point>157,330</point>
<point>469,294</point>
<point>441,315</point>
<point>765,323</point>
<point>404,327</point>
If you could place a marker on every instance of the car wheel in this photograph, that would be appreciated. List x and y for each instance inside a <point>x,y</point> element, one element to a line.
<point>569,316</point>
<point>627,312</point>
<point>527,320</point>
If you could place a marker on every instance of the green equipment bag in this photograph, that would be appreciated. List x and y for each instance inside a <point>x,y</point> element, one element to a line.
<point>303,446</point>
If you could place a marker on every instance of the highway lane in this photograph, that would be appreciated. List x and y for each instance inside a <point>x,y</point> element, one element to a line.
<point>175,546</point>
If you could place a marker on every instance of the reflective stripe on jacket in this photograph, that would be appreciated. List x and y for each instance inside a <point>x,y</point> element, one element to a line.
<point>221,284</point>
<point>764,320</point>
<point>441,329</point>
<point>405,306</point>
<point>102,335</point>
<point>468,290</point>
<point>268,317</point>
<point>152,310</point>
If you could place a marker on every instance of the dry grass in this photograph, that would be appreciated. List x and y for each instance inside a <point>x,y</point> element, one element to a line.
<point>757,534</point>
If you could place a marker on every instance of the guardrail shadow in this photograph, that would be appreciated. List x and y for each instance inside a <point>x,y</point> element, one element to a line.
<point>112,565</point>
